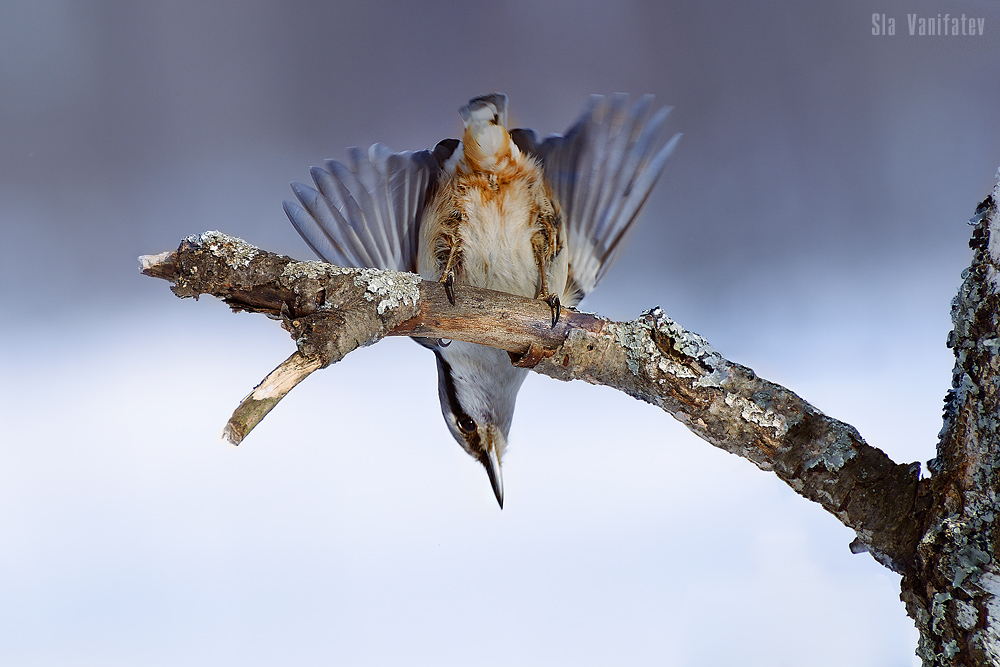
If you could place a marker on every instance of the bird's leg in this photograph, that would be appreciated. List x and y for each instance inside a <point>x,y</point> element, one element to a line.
<point>448,275</point>
<point>550,298</point>
<point>544,250</point>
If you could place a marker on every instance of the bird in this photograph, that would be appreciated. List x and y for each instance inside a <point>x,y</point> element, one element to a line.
<point>498,209</point>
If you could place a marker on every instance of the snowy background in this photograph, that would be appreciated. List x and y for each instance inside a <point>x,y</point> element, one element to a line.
<point>811,225</point>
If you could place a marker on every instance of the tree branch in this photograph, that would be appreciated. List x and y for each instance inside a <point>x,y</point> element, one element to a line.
<point>330,311</point>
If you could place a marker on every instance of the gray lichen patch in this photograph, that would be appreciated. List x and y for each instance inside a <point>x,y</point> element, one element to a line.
<point>991,586</point>
<point>834,455</point>
<point>635,341</point>
<point>965,615</point>
<point>968,561</point>
<point>713,379</point>
<point>391,288</point>
<point>313,270</point>
<point>939,609</point>
<point>673,368</point>
<point>753,413</point>
<point>238,252</point>
<point>685,342</point>
<point>663,347</point>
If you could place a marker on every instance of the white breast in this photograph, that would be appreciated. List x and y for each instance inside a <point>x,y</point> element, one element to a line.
<point>496,242</point>
<point>495,232</point>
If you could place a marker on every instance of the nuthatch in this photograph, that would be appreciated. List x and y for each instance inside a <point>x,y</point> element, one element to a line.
<point>500,210</point>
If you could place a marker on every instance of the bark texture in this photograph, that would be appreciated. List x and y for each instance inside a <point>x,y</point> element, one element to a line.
<point>940,533</point>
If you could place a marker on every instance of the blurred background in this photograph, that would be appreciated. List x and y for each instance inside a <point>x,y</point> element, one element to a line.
<point>811,225</point>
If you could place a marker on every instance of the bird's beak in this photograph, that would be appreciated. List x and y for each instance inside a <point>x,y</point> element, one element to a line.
<point>491,461</point>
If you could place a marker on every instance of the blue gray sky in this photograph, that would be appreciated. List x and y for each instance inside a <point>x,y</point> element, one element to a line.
<point>811,225</point>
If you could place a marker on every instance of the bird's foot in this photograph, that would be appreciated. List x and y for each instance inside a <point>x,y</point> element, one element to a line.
<point>449,286</point>
<point>556,307</point>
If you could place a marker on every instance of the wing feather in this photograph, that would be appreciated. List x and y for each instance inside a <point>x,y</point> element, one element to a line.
<point>367,212</point>
<point>600,173</point>
<point>323,226</point>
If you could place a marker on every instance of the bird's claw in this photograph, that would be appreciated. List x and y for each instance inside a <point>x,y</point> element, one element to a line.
<point>449,287</point>
<point>556,307</point>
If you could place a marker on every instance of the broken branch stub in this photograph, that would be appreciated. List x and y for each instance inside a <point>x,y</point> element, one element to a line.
<point>329,311</point>
<point>266,395</point>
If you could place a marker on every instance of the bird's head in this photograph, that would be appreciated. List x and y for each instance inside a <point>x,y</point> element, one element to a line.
<point>478,403</point>
<point>486,140</point>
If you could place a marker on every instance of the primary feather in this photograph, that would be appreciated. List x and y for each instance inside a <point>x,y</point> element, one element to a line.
<point>601,172</point>
<point>368,214</point>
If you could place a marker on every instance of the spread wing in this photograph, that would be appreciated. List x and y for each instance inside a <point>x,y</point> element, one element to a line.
<point>600,173</point>
<point>367,213</point>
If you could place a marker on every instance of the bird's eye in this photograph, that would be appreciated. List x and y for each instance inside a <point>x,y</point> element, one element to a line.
<point>466,424</point>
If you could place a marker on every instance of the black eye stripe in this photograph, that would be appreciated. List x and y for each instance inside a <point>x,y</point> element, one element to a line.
<point>450,391</point>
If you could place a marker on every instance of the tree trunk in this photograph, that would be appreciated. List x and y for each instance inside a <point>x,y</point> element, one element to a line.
<point>953,587</point>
